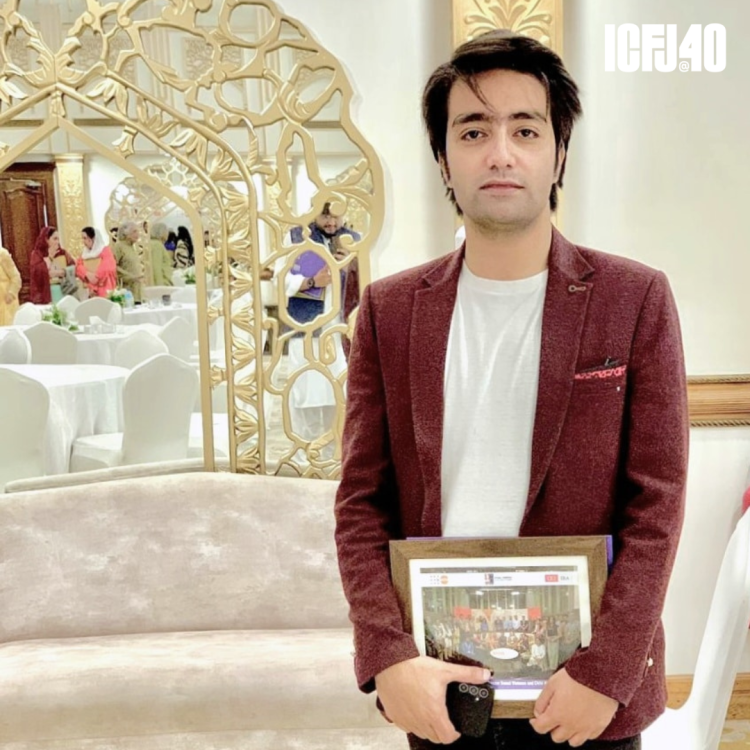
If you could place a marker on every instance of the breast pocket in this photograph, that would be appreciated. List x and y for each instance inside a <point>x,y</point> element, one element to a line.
<point>609,380</point>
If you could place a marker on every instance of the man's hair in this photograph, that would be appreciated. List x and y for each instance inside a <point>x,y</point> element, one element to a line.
<point>127,226</point>
<point>501,49</point>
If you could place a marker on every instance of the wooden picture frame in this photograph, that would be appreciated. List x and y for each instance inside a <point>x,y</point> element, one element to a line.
<point>430,575</point>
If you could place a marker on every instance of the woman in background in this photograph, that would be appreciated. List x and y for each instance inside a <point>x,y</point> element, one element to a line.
<point>10,286</point>
<point>183,254</point>
<point>96,266</point>
<point>47,267</point>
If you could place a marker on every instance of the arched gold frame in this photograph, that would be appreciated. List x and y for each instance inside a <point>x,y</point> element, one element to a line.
<point>103,87</point>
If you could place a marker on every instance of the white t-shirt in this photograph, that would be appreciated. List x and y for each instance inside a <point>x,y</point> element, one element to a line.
<point>490,385</point>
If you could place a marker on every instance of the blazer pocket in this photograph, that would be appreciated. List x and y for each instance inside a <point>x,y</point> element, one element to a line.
<point>601,379</point>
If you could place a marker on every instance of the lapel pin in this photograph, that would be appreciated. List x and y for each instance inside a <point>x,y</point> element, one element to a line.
<point>574,288</point>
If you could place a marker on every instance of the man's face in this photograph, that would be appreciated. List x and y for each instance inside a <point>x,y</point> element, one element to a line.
<point>501,155</point>
<point>329,223</point>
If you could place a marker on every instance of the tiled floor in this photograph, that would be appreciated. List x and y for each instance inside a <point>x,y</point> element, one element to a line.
<point>736,736</point>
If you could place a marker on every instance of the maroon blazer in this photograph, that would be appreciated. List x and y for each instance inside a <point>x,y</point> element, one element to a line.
<point>609,454</point>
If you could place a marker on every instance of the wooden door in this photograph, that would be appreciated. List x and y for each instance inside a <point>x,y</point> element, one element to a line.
<point>27,204</point>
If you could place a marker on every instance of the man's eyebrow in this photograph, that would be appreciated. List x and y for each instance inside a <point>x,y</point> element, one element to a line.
<point>468,117</point>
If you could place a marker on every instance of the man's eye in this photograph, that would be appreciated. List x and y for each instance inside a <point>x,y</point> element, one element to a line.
<point>471,135</point>
<point>528,133</point>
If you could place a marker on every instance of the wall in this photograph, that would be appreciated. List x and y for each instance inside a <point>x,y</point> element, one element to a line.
<point>657,171</point>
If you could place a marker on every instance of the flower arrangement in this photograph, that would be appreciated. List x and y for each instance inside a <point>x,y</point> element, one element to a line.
<point>118,296</point>
<point>189,275</point>
<point>58,317</point>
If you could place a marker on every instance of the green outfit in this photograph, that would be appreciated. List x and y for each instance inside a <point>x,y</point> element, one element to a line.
<point>160,271</point>
<point>129,267</point>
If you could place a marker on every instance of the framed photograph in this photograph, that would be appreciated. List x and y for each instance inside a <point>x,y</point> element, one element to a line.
<point>519,606</point>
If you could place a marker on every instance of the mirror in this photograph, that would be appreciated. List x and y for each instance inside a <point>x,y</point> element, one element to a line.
<point>230,120</point>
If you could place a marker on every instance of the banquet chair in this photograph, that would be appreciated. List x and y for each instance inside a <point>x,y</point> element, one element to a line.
<point>68,305</point>
<point>178,335</point>
<point>99,307</point>
<point>157,400</point>
<point>698,723</point>
<point>24,408</point>
<point>184,293</point>
<point>138,347</point>
<point>27,314</point>
<point>157,292</point>
<point>15,349</point>
<point>51,345</point>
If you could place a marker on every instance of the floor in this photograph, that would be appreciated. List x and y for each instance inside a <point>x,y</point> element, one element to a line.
<point>736,736</point>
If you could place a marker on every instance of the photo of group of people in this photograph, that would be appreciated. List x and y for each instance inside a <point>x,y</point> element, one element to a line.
<point>522,623</point>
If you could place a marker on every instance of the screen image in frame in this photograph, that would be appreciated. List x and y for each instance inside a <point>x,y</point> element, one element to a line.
<point>521,617</point>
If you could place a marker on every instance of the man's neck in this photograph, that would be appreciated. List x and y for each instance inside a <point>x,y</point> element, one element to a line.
<point>508,256</point>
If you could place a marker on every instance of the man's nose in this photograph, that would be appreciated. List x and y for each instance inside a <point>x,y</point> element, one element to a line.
<point>500,153</point>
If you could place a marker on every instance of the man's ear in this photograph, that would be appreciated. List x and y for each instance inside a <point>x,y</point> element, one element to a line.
<point>444,170</point>
<point>560,162</point>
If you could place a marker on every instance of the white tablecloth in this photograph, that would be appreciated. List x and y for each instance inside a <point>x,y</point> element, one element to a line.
<point>84,400</point>
<point>161,315</point>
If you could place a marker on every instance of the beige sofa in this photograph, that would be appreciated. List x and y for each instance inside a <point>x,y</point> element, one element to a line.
<point>188,611</point>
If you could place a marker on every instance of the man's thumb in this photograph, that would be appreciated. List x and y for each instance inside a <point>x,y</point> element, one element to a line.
<point>472,675</point>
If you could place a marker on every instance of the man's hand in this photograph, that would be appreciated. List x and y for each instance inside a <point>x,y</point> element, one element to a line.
<point>413,695</point>
<point>571,711</point>
<point>322,277</point>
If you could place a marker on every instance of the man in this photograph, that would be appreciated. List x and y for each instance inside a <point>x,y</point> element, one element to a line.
<point>312,402</point>
<point>130,273</point>
<point>520,386</point>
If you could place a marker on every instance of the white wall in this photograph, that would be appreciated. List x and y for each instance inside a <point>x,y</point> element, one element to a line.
<point>658,171</point>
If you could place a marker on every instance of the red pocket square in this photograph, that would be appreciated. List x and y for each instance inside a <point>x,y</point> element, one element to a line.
<point>610,372</point>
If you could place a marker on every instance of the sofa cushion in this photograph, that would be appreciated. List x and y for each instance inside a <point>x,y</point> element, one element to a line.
<point>137,685</point>
<point>176,553</point>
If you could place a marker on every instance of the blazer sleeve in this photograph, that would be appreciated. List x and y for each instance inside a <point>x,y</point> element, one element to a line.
<point>651,497</point>
<point>367,512</point>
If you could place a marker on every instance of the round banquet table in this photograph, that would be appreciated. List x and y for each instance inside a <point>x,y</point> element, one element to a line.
<point>161,315</point>
<point>83,400</point>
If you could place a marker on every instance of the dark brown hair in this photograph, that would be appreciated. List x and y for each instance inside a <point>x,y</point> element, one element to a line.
<point>501,49</point>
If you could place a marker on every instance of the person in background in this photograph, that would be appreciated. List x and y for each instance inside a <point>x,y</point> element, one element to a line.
<point>130,274</point>
<point>184,255</point>
<point>47,267</point>
<point>10,286</point>
<point>161,258</point>
<point>96,266</point>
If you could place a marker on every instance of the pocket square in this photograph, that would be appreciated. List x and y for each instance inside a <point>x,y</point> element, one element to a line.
<point>601,373</point>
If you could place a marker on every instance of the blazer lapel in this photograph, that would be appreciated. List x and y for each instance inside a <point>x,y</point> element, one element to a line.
<point>428,343</point>
<point>565,305</point>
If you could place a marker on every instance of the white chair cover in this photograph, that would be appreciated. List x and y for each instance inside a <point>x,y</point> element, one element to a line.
<point>158,399</point>
<point>51,345</point>
<point>27,314</point>
<point>99,307</point>
<point>138,347</point>
<point>698,723</point>
<point>178,335</point>
<point>15,349</point>
<point>24,404</point>
<point>68,305</point>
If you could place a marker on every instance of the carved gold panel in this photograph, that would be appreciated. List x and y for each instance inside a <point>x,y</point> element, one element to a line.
<point>73,200</point>
<point>540,19</point>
